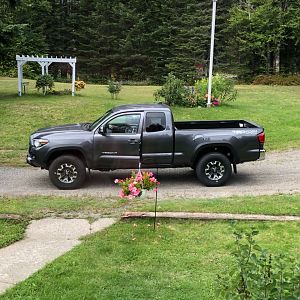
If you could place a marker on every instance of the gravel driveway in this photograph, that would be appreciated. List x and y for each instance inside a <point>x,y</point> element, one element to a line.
<point>279,173</point>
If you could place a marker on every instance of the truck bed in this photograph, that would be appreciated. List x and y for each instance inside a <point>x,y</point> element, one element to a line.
<point>214,124</point>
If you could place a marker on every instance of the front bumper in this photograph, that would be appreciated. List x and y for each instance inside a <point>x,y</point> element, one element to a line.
<point>31,161</point>
<point>262,154</point>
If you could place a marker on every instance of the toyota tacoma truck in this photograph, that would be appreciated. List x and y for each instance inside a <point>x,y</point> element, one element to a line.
<point>147,135</point>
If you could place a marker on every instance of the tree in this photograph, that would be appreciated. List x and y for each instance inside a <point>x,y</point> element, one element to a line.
<point>261,30</point>
<point>21,31</point>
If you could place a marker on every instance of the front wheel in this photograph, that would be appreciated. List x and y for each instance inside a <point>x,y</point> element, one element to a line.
<point>67,172</point>
<point>213,169</point>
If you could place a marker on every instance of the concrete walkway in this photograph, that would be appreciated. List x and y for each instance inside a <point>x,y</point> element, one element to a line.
<point>44,241</point>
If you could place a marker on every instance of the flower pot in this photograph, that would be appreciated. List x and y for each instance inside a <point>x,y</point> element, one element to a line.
<point>142,193</point>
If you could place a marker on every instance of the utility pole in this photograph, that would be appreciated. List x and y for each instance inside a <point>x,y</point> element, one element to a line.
<point>211,59</point>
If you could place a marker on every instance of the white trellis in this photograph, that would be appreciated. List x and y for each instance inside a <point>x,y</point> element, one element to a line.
<point>44,62</point>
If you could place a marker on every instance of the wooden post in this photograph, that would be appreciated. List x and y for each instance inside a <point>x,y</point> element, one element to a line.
<point>20,78</point>
<point>73,77</point>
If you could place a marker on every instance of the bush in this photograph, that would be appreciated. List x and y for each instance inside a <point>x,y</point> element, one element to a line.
<point>259,275</point>
<point>222,90</point>
<point>79,84</point>
<point>44,82</point>
<point>277,80</point>
<point>114,88</point>
<point>173,91</point>
<point>60,93</point>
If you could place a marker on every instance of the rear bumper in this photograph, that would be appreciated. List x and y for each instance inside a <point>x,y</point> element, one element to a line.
<point>262,154</point>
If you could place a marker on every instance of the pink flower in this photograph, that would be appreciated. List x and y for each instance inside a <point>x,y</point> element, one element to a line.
<point>122,194</point>
<point>216,102</point>
<point>135,192</point>
<point>131,185</point>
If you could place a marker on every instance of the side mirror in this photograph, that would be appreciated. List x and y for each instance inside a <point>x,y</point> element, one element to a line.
<point>101,130</point>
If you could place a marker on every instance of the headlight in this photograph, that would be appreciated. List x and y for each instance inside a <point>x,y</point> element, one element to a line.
<point>39,142</point>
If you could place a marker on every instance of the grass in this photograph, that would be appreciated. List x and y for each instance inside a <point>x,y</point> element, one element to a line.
<point>270,205</point>
<point>275,108</point>
<point>129,260</point>
<point>180,260</point>
<point>11,231</point>
<point>33,207</point>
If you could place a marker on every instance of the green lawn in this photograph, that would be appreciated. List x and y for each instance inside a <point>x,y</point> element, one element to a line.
<point>32,207</point>
<point>129,260</point>
<point>180,260</point>
<point>11,231</point>
<point>269,205</point>
<point>275,108</point>
<point>35,207</point>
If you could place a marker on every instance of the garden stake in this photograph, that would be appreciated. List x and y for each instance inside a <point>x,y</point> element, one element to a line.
<point>155,206</point>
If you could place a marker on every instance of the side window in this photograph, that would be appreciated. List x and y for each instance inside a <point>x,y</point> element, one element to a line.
<point>128,124</point>
<point>155,121</point>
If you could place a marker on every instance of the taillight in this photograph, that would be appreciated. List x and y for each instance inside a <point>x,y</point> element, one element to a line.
<point>261,138</point>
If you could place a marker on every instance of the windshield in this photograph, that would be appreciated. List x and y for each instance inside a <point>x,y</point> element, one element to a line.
<point>95,124</point>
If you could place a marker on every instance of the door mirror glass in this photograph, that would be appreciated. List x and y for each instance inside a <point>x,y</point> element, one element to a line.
<point>102,130</point>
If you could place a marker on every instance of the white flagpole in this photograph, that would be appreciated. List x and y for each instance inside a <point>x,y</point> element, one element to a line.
<point>211,59</point>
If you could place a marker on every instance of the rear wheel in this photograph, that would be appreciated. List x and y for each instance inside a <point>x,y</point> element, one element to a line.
<point>67,172</point>
<point>214,169</point>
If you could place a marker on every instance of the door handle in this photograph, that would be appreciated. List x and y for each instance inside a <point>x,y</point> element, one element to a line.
<point>133,141</point>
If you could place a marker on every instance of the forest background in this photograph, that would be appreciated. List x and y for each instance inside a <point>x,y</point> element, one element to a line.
<point>144,40</point>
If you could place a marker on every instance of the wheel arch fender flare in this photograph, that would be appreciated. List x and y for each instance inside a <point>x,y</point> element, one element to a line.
<point>224,148</point>
<point>76,151</point>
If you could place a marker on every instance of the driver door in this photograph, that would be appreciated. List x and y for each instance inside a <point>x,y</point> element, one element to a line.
<point>118,146</point>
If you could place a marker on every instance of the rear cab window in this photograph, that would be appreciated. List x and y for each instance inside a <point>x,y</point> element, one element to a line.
<point>155,121</point>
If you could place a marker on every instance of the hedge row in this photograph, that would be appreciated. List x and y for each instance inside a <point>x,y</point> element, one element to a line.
<point>277,79</point>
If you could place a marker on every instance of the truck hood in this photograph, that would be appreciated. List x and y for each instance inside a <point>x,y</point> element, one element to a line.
<point>61,128</point>
<point>40,133</point>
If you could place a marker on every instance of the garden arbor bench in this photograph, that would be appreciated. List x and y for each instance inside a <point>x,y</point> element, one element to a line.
<point>44,62</point>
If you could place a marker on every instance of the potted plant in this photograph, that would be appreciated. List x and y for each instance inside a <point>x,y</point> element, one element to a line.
<point>137,184</point>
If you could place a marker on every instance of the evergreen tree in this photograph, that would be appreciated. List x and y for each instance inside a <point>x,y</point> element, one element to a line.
<point>147,39</point>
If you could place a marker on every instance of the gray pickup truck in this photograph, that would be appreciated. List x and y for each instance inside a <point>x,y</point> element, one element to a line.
<point>147,134</point>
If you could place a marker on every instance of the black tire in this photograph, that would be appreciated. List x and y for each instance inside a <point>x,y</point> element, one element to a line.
<point>213,169</point>
<point>67,172</point>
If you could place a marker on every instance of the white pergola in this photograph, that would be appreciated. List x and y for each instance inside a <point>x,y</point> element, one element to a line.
<point>44,62</point>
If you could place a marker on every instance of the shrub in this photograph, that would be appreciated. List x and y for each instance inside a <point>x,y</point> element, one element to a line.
<point>259,275</point>
<point>277,79</point>
<point>222,90</point>
<point>173,91</point>
<point>79,84</point>
<point>44,82</point>
<point>60,93</point>
<point>114,88</point>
